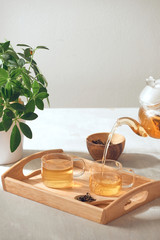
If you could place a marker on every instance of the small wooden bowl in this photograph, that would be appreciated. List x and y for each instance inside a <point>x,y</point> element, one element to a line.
<point>96,150</point>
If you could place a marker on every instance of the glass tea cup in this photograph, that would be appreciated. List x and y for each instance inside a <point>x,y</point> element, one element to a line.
<point>109,179</point>
<point>57,170</point>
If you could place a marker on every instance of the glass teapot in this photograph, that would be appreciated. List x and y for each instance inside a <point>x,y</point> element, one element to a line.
<point>149,112</point>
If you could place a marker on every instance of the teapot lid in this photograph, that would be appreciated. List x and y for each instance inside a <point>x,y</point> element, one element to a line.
<point>150,95</point>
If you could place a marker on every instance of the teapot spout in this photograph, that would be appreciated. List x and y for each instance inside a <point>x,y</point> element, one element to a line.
<point>134,125</point>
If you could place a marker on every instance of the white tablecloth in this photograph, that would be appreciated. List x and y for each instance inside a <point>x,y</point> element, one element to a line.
<point>67,129</point>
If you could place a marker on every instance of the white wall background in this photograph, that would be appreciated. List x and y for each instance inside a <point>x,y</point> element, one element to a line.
<point>101,51</point>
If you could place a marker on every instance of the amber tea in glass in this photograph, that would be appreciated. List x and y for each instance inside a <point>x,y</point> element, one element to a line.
<point>107,180</point>
<point>57,170</point>
<point>105,184</point>
<point>57,173</point>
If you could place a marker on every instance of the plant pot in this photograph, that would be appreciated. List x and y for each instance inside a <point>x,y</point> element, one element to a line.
<point>6,156</point>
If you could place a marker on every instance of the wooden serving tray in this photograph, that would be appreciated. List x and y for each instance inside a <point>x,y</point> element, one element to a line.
<point>105,209</point>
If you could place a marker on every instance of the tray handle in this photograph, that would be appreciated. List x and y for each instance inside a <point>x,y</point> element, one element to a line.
<point>16,171</point>
<point>131,200</point>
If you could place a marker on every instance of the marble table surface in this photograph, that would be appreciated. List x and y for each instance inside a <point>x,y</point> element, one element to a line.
<point>67,129</point>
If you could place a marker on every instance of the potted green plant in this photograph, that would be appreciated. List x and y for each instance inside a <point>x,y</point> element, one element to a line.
<point>20,79</point>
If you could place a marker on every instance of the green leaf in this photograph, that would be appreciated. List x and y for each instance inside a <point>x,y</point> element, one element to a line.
<point>42,89</point>
<point>21,62</point>
<point>35,87</point>
<point>25,130</point>
<point>39,103</point>
<point>41,78</point>
<point>1,126</point>
<point>5,57</point>
<point>1,48</point>
<point>1,101</point>
<point>1,110</point>
<point>30,106</point>
<point>15,73</point>
<point>17,84</point>
<point>29,116</point>
<point>35,69</point>
<point>5,66</point>
<point>13,54</point>
<point>26,93</point>
<point>42,47</point>
<point>26,80</point>
<point>27,58</point>
<point>27,52</point>
<point>5,45</point>
<point>26,71</point>
<point>14,96</point>
<point>8,88</point>
<point>7,122</point>
<point>42,95</point>
<point>23,45</point>
<point>3,92</point>
<point>18,107</point>
<point>12,64</point>
<point>3,76</point>
<point>33,62</point>
<point>21,54</point>
<point>9,113</point>
<point>15,138</point>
